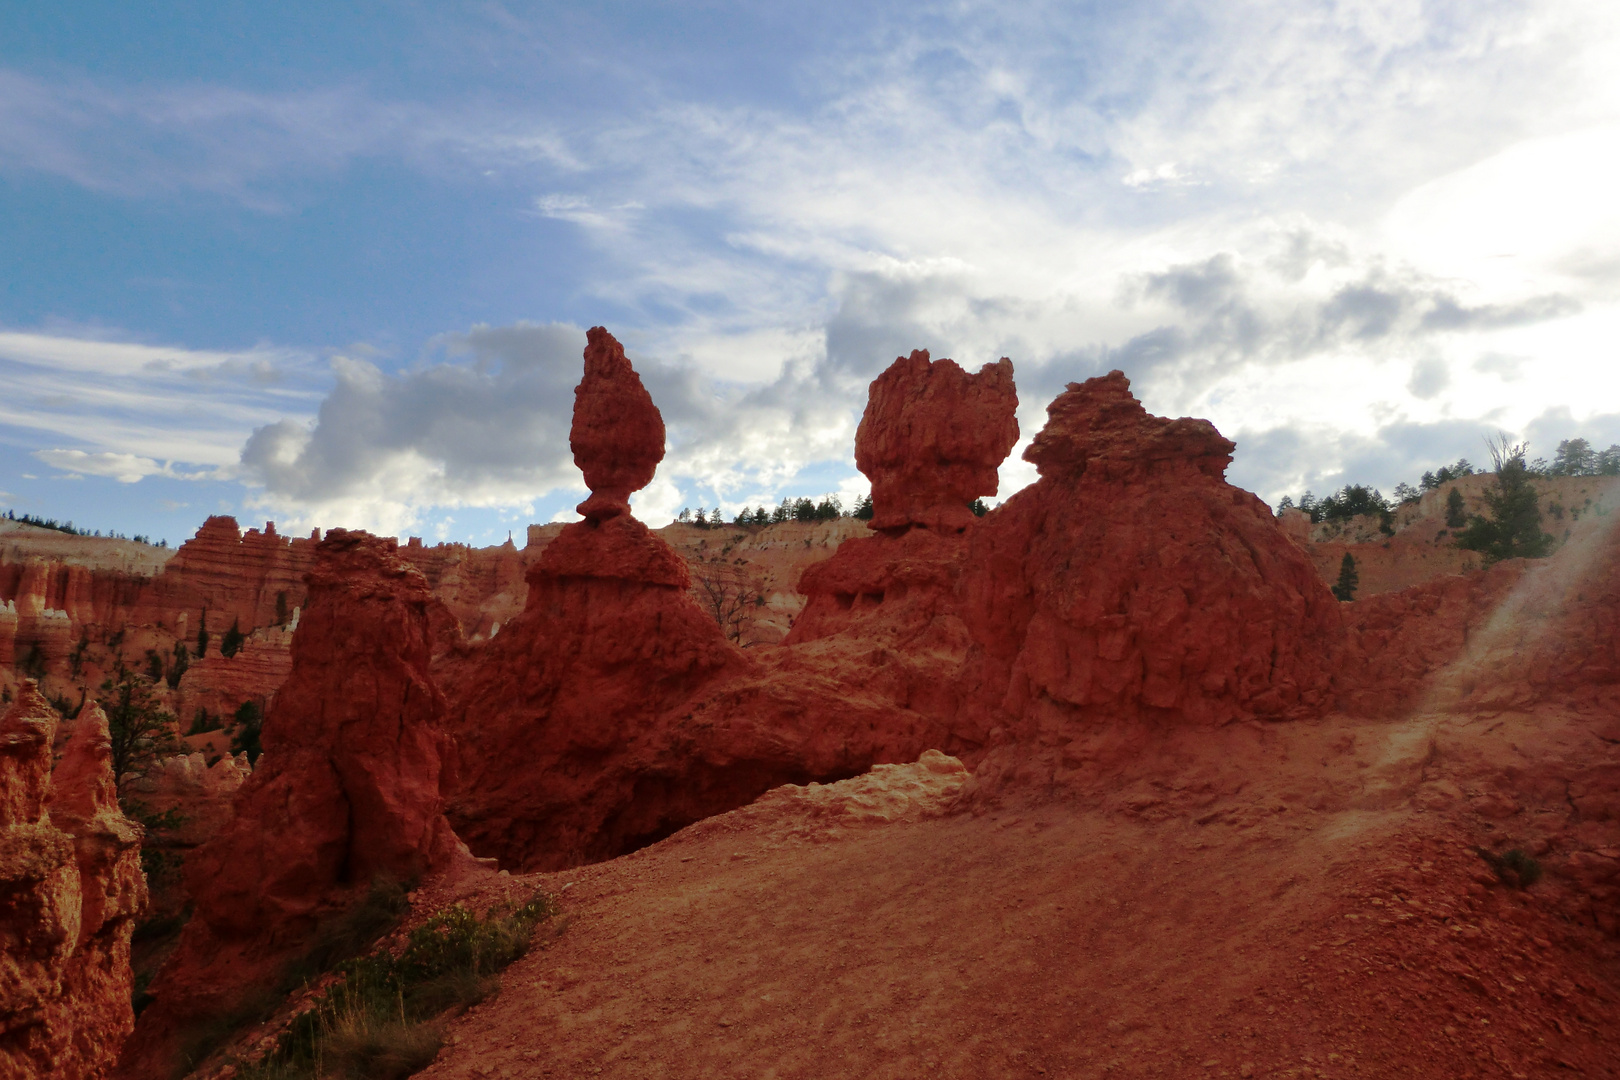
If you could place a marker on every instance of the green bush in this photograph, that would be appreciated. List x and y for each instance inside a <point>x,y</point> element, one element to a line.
<point>1513,867</point>
<point>1349,579</point>
<point>231,643</point>
<point>249,722</point>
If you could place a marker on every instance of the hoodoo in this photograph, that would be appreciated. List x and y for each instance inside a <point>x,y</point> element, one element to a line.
<point>556,716</point>
<point>1132,585</point>
<point>349,789</point>
<point>932,438</point>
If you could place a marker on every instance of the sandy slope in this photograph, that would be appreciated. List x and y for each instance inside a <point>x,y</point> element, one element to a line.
<point>1186,927</point>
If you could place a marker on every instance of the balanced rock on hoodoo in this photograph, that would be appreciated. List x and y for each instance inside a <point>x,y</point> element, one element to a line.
<point>618,433</point>
<point>932,438</point>
<point>70,888</point>
<point>556,715</point>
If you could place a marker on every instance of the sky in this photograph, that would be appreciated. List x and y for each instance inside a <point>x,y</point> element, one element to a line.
<point>332,264</point>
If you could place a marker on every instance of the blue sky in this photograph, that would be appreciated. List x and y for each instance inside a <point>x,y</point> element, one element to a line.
<point>333,267</point>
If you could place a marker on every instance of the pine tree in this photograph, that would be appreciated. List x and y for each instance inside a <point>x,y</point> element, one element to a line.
<point>1456,510</point>
<point>1345,590</point>
<point>138,728</point>
<point>1513,528</point>
<point>231,643</point>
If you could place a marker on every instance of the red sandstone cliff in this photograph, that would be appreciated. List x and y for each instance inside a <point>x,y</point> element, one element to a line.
<point>70,889</point>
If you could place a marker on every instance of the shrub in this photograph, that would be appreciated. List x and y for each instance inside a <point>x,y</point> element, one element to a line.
<point>231,643</point>
<point>1345,590</point>
<point>249,725</point>
<point>378,1020</point>
<point>139,728</point>
<point>1513,867</point>
<point>1513,529</point>
<point>1456,510</point>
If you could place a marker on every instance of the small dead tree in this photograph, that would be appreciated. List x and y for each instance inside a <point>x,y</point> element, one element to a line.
<point>728,598</point>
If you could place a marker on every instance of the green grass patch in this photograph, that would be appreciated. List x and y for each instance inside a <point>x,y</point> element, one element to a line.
<point>380,1020</point>
<point>342,937</point>
<point>350,934</point>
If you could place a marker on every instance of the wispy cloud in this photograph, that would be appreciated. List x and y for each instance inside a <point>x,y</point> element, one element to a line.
<point>111,407</point>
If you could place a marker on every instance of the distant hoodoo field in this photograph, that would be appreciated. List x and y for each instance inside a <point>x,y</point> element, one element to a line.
<point>1106,781</point>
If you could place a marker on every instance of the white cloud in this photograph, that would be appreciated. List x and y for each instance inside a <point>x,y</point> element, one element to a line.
<point>125,468</point>
<point>125,406</point>
<point>1318,224</point>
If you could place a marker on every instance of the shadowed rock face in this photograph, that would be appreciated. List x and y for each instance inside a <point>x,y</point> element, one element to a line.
<point>932,438</point>
<point>618,433</point>
<point>1132,585</point>
<point>349,788</point>
<point>613,711</point>
<point>70,889</point>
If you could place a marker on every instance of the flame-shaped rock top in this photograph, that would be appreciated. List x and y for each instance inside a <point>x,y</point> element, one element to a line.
<point>618,433</point>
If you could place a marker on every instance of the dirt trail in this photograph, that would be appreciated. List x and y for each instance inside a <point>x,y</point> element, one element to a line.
<point>1062,941</point>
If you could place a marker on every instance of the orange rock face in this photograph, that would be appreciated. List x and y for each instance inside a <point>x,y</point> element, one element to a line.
<point>350,788</point>
<point>618,433</point>
<point>1131,584</point>
<point>932,438</point>
<point>70,889</point>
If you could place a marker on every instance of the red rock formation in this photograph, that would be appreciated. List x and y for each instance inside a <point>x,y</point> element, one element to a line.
<point>613,711</point>
<point>932,438</point>
<point>618,433</point>
<point>70,888</point>
<point>218,684</point>
<point>8,633</point>
<point>1131,582</point>
<point>349,789</point>
<point>608,641</point>
<point>237,577</point>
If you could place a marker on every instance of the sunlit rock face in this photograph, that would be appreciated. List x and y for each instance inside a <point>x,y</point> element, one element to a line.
<point>71,888</point>
<point>350,788</point>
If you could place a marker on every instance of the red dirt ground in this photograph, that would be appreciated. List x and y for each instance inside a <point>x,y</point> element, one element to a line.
<point>1184,922</point>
